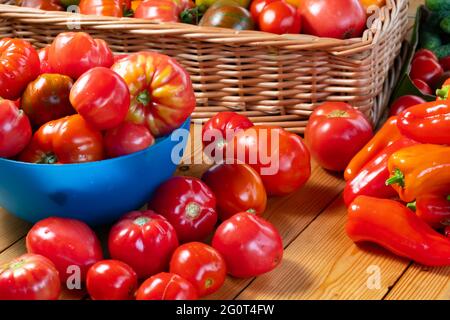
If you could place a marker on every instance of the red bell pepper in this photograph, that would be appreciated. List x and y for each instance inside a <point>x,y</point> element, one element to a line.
<point>433,209</point>
<point>396,228</point>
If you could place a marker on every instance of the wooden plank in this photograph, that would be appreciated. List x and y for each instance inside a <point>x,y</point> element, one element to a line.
<point>323,263</point>
<point>11,229</point>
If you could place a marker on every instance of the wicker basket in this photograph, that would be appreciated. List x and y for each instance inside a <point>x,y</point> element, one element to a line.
<point>270,78</point>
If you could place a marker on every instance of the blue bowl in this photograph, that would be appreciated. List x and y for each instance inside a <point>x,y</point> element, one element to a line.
<point>96,192</point>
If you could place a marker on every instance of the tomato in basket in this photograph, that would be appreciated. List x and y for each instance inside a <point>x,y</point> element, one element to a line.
<point>113,8</point>
<point>280,17</point>
<point>158,11</point>
<point>49,5</point>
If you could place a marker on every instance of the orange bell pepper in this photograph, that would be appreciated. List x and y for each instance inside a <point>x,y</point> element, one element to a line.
<point>367,3</point>
<point>419,170</point>
<point>388,134</point>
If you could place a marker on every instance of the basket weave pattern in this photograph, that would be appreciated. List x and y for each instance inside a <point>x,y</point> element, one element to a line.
<point>272,79</point>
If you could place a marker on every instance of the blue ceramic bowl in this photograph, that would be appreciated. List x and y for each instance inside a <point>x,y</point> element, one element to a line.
<point>96,192</point>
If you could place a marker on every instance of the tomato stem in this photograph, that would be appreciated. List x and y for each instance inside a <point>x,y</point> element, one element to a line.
<point>144,98</point>
<point>48,158</point>
<point>209,282</point>
<point>338,114</point>
<point>397,178</point>
<point>140,221</point>
<point>192,210</point>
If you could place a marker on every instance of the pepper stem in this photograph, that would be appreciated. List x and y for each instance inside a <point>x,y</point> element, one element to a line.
<point>412,206</point>
<point>448,197</point>
<point>442,93</point>
<point>397,178</point>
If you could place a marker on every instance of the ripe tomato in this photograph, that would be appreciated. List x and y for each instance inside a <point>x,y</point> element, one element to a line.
<point>237,187</point>
<point>280,17</point>
<point>111,280</point>
<point>201,265</point>
<point>43,58</point>
<point>47,98</point>
<point>113,8</point>
<point>144,240</point>
<point>228,15</point>
<point>445,63</point>
<point>118,57</point>
<point>249,244</point>
<point>425,53</point>
<point>281,158</point>
<point>127,138</point>
<point>158,11</point>
<point>426,69</point>
<point>66,242</point>
<point>66,140</point>
<point>220,128</point>
<point>74,53</point>
<point>257,6</point>
<point>101,97</point>
<point>29,277</point>
<point>189,205</point>
<point>15,129</point>
<point>162,99</point>
<point>341,19</point>
<point>404,102</point>
<point>422,86</point>
<point>335,133</point>
<point>166,286</point>
<point>50,5</point>
<point>19,64</point>
<point>447,231</point>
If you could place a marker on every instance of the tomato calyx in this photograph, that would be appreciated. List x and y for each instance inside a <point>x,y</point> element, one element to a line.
<point>251,211</point>
<point>140,221</point>
<point>338,114</point>
<point>48,158</point>
<point>16,264</point>
<point>193,15</point>
<point>443,93</point>
<point>144,98</point>
<point>192,210</point>
<point>208,283</point>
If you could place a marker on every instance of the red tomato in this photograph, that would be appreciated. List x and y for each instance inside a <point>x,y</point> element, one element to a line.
<point>189,205</point>
<point>49,5</point>
<point>111,280</point>
<point>404,102</point>
<point>127,138</point>
<point>447,231</point>
<point>422,86</point>
<point>66,242</point>
<point>166,286</point>
<point>445,63</point>
<point>426,69</point>
<point>74,53</point>
<point>113,8</point>
<point>162,99</point>
<point>201,265</point>
<point>281,158</point>
<point>119,57</point>
<point>29,277</point>
<point>425,53</point>
<point>335,133</point>
<point>43,58</point>
<point>15,129</point>
<point>158,11</point>
<point>101,97</point>
<point>341,19</point>
<point>249,244</point>
<point>257,6</point>
<point>66,140</point>
<point>144,240</point>
<point>220,128</point>
<point>280,17</point>
<point>19,64</point>
<point>237,187</point>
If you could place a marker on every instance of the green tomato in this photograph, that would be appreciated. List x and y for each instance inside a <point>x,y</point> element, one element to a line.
<point>209,3</point>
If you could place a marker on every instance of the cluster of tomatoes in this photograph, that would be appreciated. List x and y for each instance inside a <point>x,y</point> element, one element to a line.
<point>84,104</point>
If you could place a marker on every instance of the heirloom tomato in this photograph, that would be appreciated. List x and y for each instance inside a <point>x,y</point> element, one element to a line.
<point>144,240</point>
<point>201,265</point>
<point>127,138</point>
<point>426,69</point>
<point>166,286</point>
<point>228,15</point>
<point>162,97</point>
<point>29,277</point>
<point>280,157</point>
<point>74,53</point>
<point>47,98</point>
<point>66,140</point>
<point>158,11</point>
<point>113,8</point>
<point>15,129</point>
<point>249,244</point>
<point>257,6</point>
<point>101,97</point>
<point>19,64</point>
<point>237,188</point>
<point>111,280</point>
<point>335,133</point>
<point>422,86</point>
<point>67,243</point>
<point>280,17</point>
<point>189,205</point>
<point>49,5</point>
<point>341,19</point>
<point>404,102</point>
<point>43,58</point>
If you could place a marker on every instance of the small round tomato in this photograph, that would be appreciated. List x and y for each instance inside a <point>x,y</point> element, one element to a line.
<point>43,58</point>
<point>29,277</point>
<point>101,97</point>
<point>111,280</point>
<point>228,15</point>
<point>280,17</point>
<point>335,133</point>
<point>201,265</point>
<point>158,11</point>
<point>67,243</point>
<point>189,205</point>
<point>426,69</point>
<point>237,187</point>
<point>280,157</point>
<point>221,128</point>
<point>19,64</point>
<point>249,244</point>
<point>74,53</point>
<point>404,102</point>
<point>49,5</point>
<point>66,140</point>
<point>127,138</point>
<point>144,240</point>
<point>425,53</point>
<point>257,6</point>
<point>112,8</point>
<point>166,286</point>
<point>422,86</point>
<point>15,129</point>
<point>47,98</point>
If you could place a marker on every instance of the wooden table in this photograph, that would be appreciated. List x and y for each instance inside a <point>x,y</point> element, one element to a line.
<point>320,261</point>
